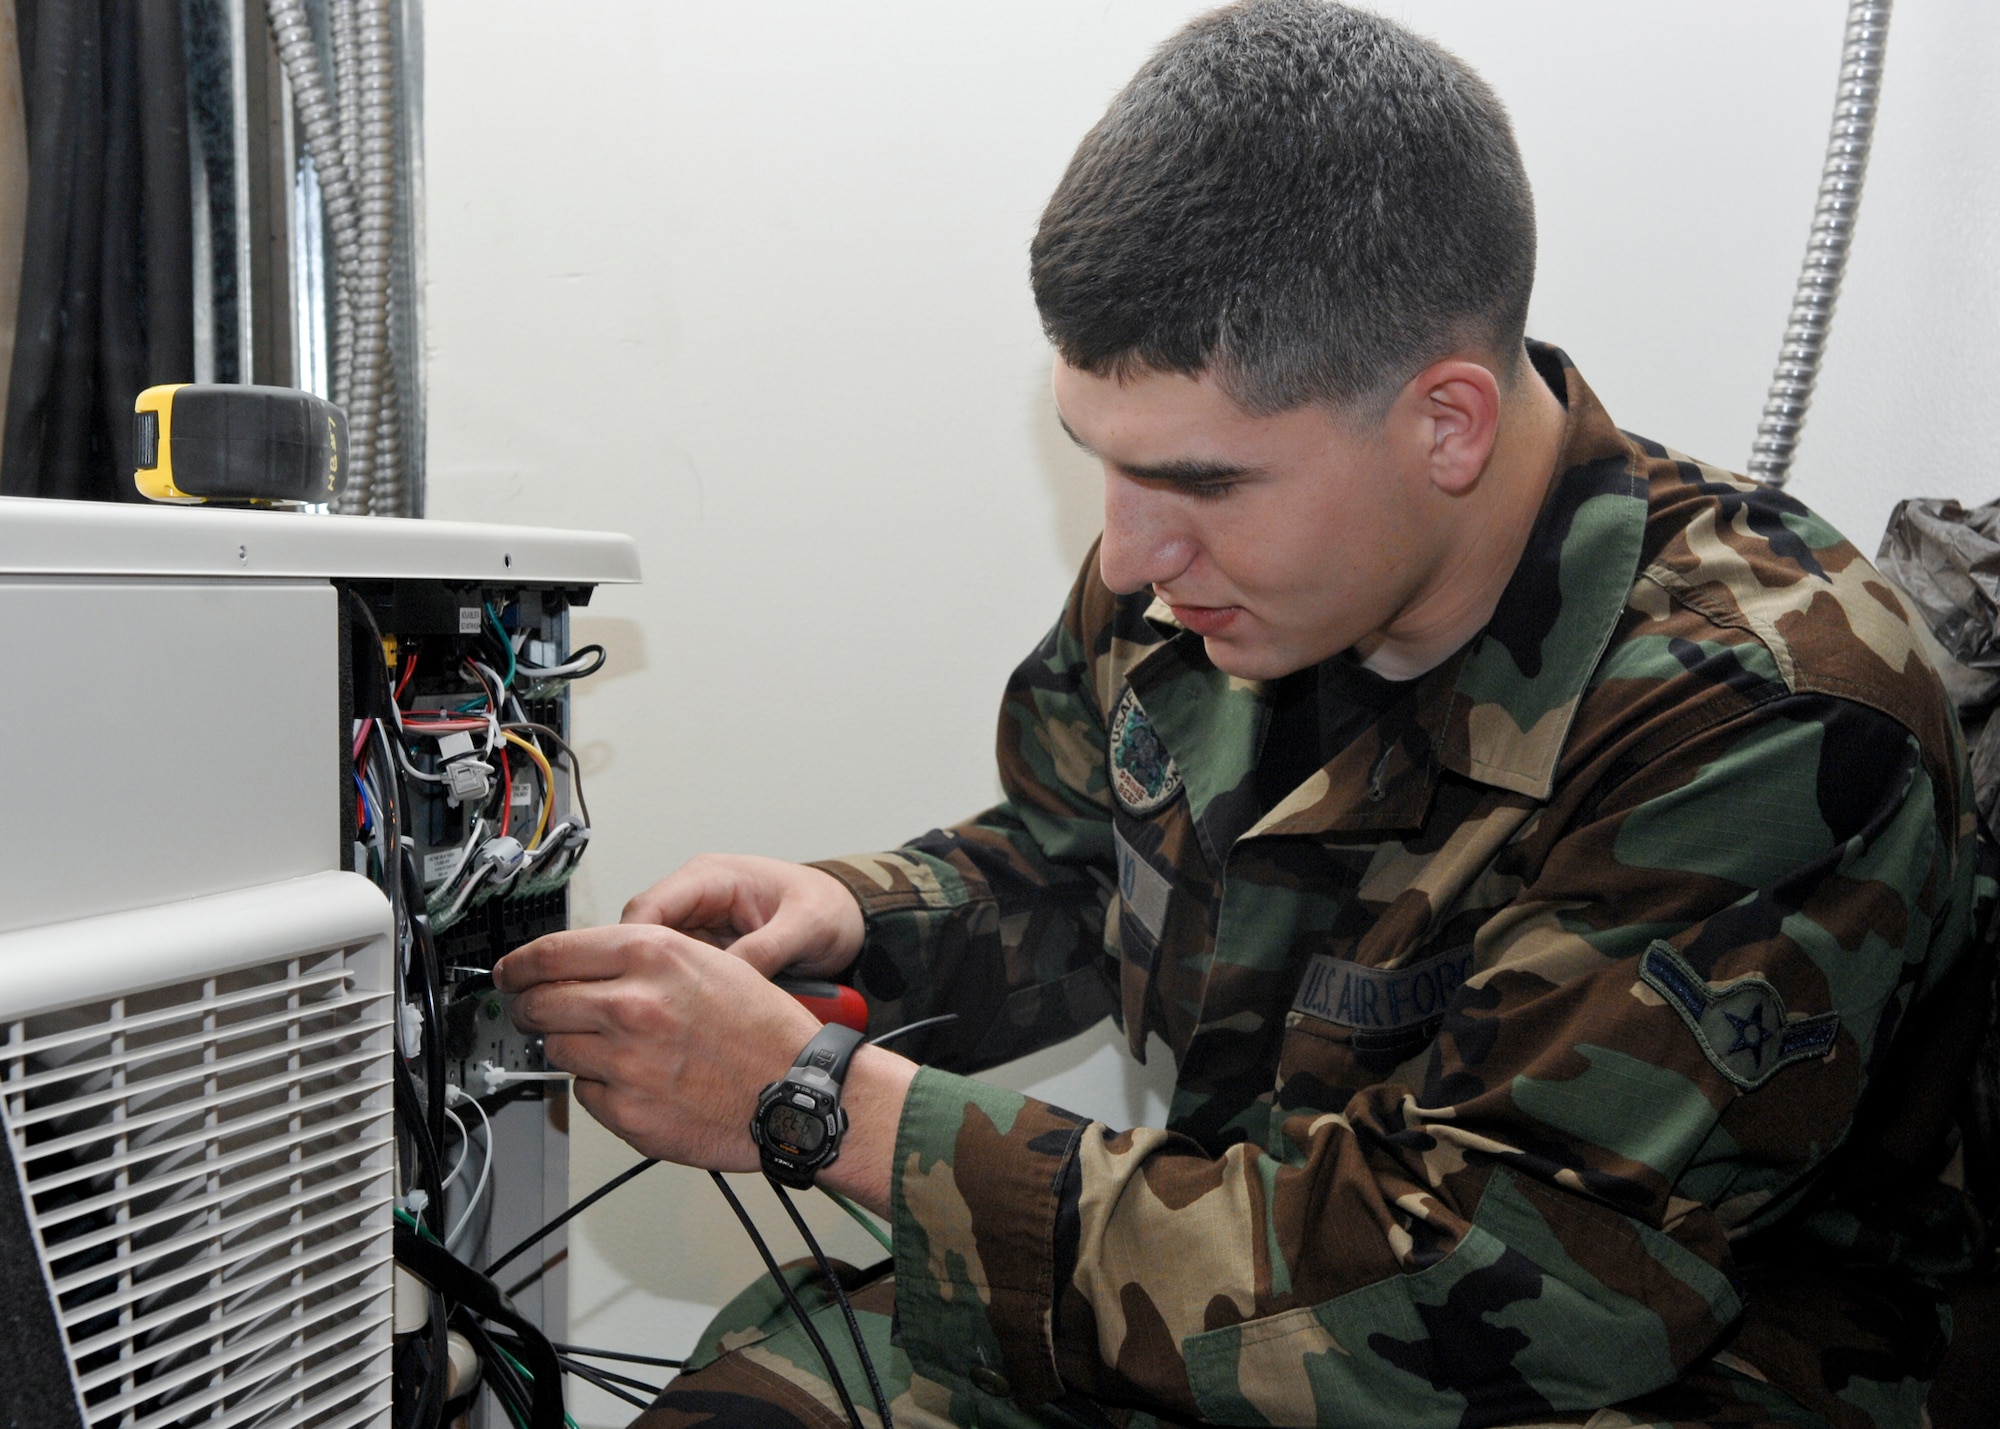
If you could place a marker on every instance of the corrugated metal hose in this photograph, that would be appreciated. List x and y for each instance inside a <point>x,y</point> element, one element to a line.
<point>348,128</point>
<point>1861,57</point>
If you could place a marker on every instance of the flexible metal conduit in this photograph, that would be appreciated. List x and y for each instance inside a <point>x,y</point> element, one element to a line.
<point>349,130</point>
<point>1861,56</point>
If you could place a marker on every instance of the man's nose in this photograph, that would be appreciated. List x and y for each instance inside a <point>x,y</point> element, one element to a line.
<point>1145,541</point>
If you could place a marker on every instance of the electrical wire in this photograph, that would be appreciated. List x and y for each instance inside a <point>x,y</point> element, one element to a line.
<point>860,1219</point>
<point>464,1149</point>
<point>792,1299</point>
<point>583,662</point>
<point>840,1299</point>
<point>485,1173</point>
<point>569,755</point>
<point>610,1383</point>
<point>619,1355</point>
<point>500,631</point>
<point>548,784</point>
<point>567,1216</point>
<point>916,1026</point>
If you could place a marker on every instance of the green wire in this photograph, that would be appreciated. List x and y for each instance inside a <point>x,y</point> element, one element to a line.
<point>513,663</point>
<point>861,1219</point>
<point>414,1224</point>
<point>528,1375</point>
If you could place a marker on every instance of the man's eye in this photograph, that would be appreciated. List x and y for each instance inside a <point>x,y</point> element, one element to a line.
<point>1209,490</point>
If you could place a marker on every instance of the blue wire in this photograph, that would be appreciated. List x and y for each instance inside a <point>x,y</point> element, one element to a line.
<point>367,806</point>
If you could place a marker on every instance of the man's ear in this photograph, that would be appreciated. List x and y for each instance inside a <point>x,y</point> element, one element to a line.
<point>1457,405</point>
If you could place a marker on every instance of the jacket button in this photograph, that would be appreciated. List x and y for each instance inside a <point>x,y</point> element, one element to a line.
<point>990,1380</point>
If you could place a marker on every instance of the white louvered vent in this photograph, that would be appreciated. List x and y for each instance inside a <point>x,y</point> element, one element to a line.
<point>207,1167</point>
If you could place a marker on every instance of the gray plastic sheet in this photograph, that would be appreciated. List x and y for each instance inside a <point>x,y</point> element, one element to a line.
<point>1946,559</point>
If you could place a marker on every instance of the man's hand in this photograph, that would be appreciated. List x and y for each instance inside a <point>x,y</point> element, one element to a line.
<point>776,916</point>
<point>671,1039</point>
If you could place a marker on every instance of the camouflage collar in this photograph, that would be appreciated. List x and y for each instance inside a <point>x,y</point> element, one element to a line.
<point>1518,684</point>
<point>1497,712</point>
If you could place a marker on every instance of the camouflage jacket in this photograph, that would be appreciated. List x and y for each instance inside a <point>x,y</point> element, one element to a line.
<point>1512,1046</point>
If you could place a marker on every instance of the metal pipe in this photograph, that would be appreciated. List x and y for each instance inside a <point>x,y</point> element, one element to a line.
<point>1804,344</point>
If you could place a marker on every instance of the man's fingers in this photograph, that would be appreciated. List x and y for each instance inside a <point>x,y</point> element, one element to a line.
<point>695,897</point>
<point>579,955</point>
<point>583,1055</point>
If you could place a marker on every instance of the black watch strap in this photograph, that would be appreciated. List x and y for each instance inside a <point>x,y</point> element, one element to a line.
<point>830,1050</point>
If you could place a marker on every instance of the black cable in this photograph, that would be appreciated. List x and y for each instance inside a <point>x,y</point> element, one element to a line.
<point>584,1372</point>
<point>500,1375</point>
<point>429,1168</point>
<point>424,957</point>
<point>840,1298</point>
<point>562,746</point>
<point>576,1210</point>
<point>791,1299</point>
<point>620,1355</point>
<point>591,1372</point>
<point>478,1295</point>
<point>607,1380</point>
<point>545,672</point>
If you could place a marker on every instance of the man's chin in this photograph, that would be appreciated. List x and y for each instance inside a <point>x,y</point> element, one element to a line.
<point>1243,661</point>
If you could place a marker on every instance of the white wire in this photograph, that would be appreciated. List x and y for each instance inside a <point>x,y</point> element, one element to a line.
<point>564,671</point>
<point>464,1149</point>
<point>485,1172</point>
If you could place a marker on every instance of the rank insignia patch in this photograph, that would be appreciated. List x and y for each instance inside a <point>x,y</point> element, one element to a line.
<point>1143,775</point>
<point>1741,1025</point>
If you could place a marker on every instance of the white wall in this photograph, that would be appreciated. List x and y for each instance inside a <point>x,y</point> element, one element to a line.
<point>748,282</point>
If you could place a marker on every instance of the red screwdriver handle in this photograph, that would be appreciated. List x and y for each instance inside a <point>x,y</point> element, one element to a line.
<point>828,1001</point>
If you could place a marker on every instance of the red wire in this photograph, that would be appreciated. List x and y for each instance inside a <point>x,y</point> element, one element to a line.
<point>361,739</point>
<point>409,669</point>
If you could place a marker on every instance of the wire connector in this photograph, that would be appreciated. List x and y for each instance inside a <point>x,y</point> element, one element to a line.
<point>468,778</point>
<point>492,1078</point>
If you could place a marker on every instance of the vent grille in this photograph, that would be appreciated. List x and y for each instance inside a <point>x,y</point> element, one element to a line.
<point>207,1168</point>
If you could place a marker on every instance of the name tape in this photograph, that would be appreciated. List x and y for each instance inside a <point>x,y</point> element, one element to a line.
<point>1381,999</point>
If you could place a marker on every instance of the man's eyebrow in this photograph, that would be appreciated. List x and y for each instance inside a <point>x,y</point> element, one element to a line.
<point>1188,472</point>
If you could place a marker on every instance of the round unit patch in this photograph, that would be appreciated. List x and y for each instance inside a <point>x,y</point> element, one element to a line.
<point>1143,775</point>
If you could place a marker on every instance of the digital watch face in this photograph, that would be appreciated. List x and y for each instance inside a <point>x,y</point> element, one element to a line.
<point>800,1133</point>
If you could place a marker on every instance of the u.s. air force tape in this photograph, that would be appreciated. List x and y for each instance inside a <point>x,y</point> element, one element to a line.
<point>1381,999</point>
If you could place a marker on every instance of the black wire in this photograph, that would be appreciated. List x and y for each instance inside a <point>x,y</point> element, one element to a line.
<point>589,1353</point>
<point>840,1298</point>
<point>916,1026</point>
<point>604,1379</point>
<point>424,957</point>
<point>792,1299</point>
<point>584,1372</point>
<point>542,672</point>
<point>501,1376</point>
<point>576,1210</point>
<point>591,1372</point>
<point>562,746</point>
<point>429,1168</point>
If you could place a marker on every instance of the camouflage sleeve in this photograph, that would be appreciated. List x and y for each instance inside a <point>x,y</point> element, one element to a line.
<point>1666,1033</point>
<point>1001,919</point>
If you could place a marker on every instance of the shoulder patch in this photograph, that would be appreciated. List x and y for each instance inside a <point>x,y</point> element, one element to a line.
<point>1143,775</point>
<point>1742,1025</point>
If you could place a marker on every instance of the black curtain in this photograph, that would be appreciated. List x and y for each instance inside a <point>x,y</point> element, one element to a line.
<point>107,265</point>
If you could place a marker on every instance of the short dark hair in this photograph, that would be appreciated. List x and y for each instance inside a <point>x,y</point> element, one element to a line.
<point>1306,198</point>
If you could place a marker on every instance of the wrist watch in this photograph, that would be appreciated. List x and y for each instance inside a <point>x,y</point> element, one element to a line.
<point>799,1120</point>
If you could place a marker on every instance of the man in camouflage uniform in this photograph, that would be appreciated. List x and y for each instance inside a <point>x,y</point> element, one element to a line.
<point>1540,852</point>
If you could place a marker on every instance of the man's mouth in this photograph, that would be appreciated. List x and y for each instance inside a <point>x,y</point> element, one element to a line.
<point>1206,620</point>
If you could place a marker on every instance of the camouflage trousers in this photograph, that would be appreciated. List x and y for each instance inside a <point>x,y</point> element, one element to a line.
<point>755,1369</point>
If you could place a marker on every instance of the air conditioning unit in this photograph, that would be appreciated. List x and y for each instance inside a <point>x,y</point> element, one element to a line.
<point>199,968</point>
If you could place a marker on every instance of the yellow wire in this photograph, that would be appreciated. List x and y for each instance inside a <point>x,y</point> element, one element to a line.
<point>548,785</point>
